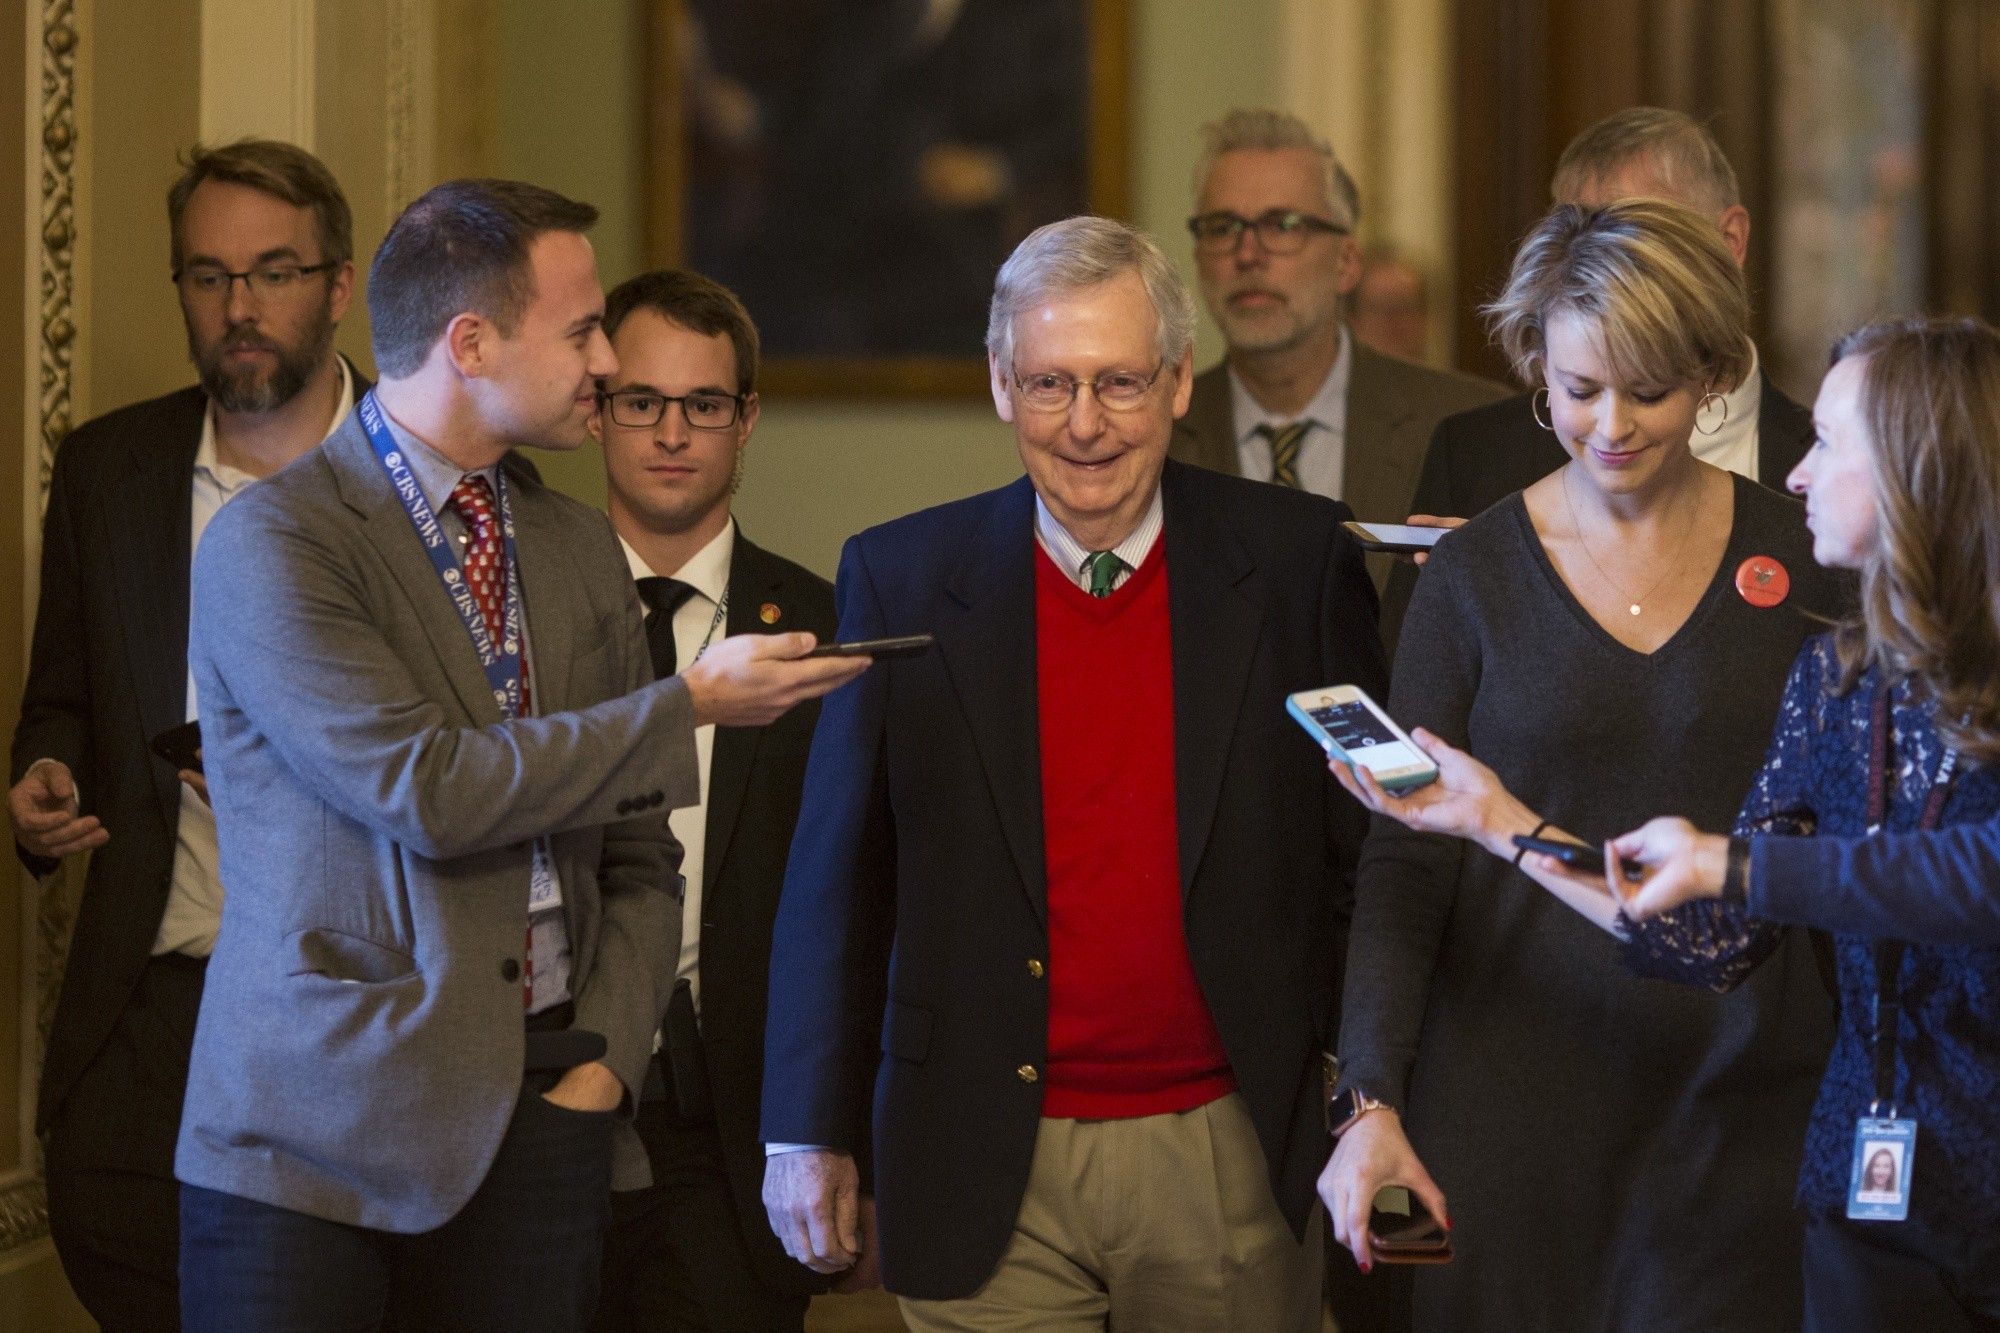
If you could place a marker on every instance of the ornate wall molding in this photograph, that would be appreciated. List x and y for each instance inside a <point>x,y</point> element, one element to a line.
<point>57,275</point>
<point>24,1214</point>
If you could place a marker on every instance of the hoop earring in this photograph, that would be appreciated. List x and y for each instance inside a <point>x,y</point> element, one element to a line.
<point>1703,404</point>
<point>1539,395</point>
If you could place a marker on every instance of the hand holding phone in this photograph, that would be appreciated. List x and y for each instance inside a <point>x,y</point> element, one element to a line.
<point>1353,728</point>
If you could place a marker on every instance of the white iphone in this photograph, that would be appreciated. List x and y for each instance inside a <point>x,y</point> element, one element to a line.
<point>1352,728</point>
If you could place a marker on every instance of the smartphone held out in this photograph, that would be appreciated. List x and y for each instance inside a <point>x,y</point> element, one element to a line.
<point>1353,728</point>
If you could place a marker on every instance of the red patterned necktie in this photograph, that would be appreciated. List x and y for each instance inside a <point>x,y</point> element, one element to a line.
<point>485,562</point>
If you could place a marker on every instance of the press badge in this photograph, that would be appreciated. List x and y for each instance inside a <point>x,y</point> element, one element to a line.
<point>1885,1151</point>
<point>544,889</point>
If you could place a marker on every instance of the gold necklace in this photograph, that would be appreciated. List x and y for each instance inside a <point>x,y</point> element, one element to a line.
<point>1694,511</point>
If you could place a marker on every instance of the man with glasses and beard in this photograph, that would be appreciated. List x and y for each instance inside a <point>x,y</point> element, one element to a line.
<point>261,246</point>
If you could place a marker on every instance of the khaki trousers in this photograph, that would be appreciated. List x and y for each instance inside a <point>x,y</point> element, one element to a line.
<point>1163,1222</point>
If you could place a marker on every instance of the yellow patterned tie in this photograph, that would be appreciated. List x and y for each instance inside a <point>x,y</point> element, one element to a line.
<point>1285,451</point>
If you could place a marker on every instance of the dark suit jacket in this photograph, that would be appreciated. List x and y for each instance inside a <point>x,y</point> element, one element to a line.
<point>754,778</point>
<point>916,893</point>
<point>1392,407</point>
<point>1481,457</point>
<point>107,672</point>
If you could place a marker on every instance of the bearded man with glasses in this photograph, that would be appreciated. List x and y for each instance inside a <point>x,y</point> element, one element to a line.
<point>1296,398</point>
<point>261,242</point>
<point>1067,893</point>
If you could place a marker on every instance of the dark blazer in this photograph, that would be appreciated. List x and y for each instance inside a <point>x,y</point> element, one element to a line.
<point>916,894</point>
<point>1481,457</point>
<point>754,779</point>
<point>1392,407</point>
<point>107,672</point>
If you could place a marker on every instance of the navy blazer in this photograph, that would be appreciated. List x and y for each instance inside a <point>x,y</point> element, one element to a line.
<point>916,894</point>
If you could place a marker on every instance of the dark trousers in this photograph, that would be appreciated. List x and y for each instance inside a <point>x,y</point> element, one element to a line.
<point>1895,1277</point>
<point>114,1207</point>
<point>1374,1302</point>
<point>676,1260</point>
<point>522,1254</point>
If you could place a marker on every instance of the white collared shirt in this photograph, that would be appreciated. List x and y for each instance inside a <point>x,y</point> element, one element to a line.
<point>696,625</point>
<point>1733,446</point>
<point>1073,557</point>
<point>194,891</point>
<point>1322,450</point>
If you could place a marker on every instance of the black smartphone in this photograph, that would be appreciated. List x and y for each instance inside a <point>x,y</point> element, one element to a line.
<point>1413,1237</point>
<point>1394,538</point>
<point>180,746</point>
<point>1576,855</point>
<point>907,645</point>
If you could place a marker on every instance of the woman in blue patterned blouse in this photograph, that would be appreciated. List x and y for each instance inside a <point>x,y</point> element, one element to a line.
<point>1902,485</point>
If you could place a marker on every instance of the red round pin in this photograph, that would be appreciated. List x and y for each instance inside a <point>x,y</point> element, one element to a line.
<point>1762,581</point>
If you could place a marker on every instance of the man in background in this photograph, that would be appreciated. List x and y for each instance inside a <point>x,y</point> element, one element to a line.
<point>1297,399</point>
<point>261,249</point>
<point>693,1250</point>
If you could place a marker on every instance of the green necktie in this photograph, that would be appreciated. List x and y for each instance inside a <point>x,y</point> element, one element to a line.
<point>1104,567</point>
<point>1285,451</point>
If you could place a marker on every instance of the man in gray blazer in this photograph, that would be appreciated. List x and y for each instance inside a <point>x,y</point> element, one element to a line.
<point>1297,399</point>
<point>441,772</point>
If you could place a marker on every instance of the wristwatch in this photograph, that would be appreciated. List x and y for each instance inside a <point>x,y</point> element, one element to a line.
<point>1736,873</point>
<point>1345,1104</point>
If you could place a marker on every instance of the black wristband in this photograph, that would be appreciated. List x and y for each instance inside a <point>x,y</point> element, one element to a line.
<point>1736,873</point>
<point>1520,851</point>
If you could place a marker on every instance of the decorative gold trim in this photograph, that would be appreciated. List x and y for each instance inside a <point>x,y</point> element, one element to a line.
<point>24,1210</point>
<point>58,230</point>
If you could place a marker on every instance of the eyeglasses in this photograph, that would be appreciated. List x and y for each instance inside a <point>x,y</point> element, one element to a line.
<point>1119,390</point>
<point>212,282</point>
<point>639,409</point>
<point>1279,232</point>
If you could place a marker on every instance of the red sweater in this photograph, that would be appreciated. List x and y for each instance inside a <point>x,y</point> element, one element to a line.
<point>1129,1031</point>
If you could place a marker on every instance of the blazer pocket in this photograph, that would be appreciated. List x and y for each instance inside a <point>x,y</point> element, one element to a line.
<point>906,1032</point>
<point>342,957</point>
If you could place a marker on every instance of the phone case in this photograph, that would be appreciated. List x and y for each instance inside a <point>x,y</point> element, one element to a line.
<point>1313,729</point>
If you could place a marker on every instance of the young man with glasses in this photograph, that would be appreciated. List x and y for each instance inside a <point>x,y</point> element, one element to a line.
<point>261,242</point>
<point>693,1249</point>
<point>1296,399</point>
<point>1057,943</point>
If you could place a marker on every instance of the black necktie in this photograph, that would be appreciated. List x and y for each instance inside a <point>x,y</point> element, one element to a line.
<point>662,597</point>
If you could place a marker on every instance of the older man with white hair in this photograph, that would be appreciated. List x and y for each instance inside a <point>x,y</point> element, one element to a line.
<point>1069,890</point>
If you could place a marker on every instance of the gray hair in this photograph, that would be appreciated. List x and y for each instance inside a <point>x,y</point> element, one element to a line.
<point>1081,252</point>
<point>1684,156</point>
<point>1260,128</point>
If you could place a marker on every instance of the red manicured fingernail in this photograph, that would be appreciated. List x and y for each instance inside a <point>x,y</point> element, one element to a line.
<point>1447,1222</point>
<point>1366,1266</point>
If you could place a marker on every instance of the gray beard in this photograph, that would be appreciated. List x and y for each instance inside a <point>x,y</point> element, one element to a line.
<point>255,391</point>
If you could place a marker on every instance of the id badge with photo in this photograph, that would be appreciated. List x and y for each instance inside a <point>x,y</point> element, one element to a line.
<point>544,889</point>
<point>1885,1154</point>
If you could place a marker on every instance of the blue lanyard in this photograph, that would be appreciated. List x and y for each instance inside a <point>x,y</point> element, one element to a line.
<point>500,661</point>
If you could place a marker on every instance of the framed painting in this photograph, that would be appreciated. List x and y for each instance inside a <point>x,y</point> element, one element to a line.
<point>856,170</point>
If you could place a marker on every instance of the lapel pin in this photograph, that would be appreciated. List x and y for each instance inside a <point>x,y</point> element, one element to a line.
<point>1762,581</point>
<point>769,613</point>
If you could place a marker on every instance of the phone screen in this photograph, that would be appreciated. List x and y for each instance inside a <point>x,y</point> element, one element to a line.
<point>1366,738</point>
<point>1402,534</point>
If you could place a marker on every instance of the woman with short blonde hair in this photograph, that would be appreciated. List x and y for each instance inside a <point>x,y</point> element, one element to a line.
<point>1612,640</point>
